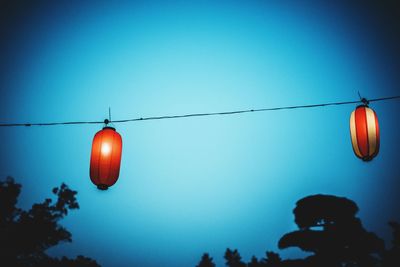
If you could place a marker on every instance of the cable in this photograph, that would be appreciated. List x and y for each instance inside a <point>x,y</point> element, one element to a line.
<point>199,114</point>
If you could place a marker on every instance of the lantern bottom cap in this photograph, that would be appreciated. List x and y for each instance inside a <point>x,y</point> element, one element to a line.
<point>368,158</point>
<point>102,186</point>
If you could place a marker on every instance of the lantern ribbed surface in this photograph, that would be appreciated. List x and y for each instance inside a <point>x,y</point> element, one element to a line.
<point>364,130</point>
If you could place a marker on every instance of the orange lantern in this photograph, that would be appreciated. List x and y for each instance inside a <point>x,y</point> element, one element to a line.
<point>105,159</point>
<point>364,130</point>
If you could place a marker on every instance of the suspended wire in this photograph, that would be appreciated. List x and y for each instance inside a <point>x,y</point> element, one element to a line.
<point>106,121</point>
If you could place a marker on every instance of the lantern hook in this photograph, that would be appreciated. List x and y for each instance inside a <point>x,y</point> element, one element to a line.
<point>107,121</point>
<point>363,99</point>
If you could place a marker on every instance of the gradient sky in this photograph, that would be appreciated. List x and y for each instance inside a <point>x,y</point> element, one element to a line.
<point>198,185</point>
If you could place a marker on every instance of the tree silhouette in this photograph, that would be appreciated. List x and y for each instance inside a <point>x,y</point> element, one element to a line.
<point>391,257</point>
<point>233,258</point>
<point>26,235</point>
<point>329,229</point>
<point>254,262</point>
<point>272,259</point>
<point>206,261</point>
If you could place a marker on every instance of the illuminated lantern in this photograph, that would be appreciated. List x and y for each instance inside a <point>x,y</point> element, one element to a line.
<point>364,130</point>
<point>105,159</point>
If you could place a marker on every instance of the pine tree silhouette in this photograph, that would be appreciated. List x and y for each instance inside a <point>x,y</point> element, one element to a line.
<point>254,262</point>
<point>329,229</point>
<point>233,258</point>
<point>206,261</point>
<point>26,235</point>
<point>272,259</point>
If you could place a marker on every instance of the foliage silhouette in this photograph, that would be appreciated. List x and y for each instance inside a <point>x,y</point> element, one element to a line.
<point>328,228</point>
<point>391,257</point>
<point>253,262</point>
<point>26,235</point>
<point>233,258</point>
<point>273,259</point>
<point>206,261</point>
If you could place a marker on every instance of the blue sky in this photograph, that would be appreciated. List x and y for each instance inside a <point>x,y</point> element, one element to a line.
<point>197,185</point>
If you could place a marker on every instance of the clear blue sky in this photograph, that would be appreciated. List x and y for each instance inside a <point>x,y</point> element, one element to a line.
<point>197,185</point>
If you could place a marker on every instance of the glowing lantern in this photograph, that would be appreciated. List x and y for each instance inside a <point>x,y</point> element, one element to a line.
<point>105,159</point>
<point>364,130</point>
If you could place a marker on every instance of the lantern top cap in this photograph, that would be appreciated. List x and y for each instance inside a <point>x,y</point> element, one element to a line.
<point>362,106</point>
<point>108,127</point>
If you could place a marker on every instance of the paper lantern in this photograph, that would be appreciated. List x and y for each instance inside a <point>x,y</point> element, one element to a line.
<point>364,130</point>
<point>105,160</point>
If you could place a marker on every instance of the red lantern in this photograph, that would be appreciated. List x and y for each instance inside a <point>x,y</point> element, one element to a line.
<point>364,130</point>
<point>105,159</point>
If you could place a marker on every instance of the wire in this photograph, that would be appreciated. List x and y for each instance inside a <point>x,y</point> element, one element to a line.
<point>198,114</point>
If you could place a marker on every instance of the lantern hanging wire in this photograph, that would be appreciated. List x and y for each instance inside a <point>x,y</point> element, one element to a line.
<point>108,121</point>
<point>223,113</point>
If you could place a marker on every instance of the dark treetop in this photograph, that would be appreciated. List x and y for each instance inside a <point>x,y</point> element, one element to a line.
<point>26,235</point>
